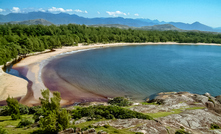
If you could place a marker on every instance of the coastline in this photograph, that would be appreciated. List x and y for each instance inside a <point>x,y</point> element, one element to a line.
<point>31,67</point>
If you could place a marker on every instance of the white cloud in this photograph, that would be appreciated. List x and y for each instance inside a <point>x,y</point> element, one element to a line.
<point>98,12</point>
<point>116,13</point>
<point>2,10</point>
<point>41,9</point>
<point>69,10</point>
<point>80,11</point>
<point>136,14</point>
<point>15,10</point>
<point>54,9</point>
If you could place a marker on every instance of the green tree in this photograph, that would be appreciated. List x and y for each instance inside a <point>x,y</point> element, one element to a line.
<point>54,118</point>
<point>13,108</point>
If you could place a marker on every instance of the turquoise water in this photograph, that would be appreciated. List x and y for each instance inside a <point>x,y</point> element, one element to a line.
<point>138,71</point>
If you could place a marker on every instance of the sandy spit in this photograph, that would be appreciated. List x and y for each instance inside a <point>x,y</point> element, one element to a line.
<point>30,90</point>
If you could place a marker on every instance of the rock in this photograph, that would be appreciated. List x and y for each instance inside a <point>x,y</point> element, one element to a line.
<point>209,105</point>
<point>78,130</point>
<point>85,132</point>
<point>200,98</point>
<point>207,94</point>
<point>91,130</point>
<point>67,131</point>
<point>218,98</point>
<point>102,132</point>
<point>82,120</point>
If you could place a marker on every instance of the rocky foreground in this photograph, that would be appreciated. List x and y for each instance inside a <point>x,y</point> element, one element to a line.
<point>172,111</point>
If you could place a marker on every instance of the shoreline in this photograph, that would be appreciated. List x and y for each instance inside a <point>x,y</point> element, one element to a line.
<point>31,68</point>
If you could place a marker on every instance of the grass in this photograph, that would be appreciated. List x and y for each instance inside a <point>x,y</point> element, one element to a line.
<point>7,123</point>
<point>174,111</point>
<point>163,114</point>
<point>146,103</point>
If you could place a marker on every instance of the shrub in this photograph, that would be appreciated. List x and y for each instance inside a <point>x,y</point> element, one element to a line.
<point>108,112</point>
<point>37,115</point>
<point>54,118</point>
<point>106,126</point>
<point>23,109</point>
<point>25,122</point>
<point>13,108</point>
<point>4,111</point>
<point>120,101</point>
<point>181,131</point>
<point>214,126</point>
<point>3,131</point>
<point>34,109</point>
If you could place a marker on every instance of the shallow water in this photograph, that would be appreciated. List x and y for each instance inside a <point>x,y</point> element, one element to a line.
<point>136,71</point>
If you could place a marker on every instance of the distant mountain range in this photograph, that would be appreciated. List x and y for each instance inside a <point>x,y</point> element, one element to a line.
<point>63,18</point>
<point>32,22</point>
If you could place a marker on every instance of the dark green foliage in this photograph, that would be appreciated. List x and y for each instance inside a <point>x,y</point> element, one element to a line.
<point>108,112</point>
<point>106,126</point>
<point>3,131</point>
<point>54,118</point>
<point>214,126</point>
<point>13,108</point>
<point>25,122</point>
<point>37,114</point>
<point>34,109</point>
<point>120,101</point>
<point>139,133</point>
<point>181,131</point>
<point>4,111</point>
<point>23,109</point>
<point>23,39</point>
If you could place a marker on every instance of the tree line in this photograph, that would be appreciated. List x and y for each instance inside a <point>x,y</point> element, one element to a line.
<point>16,39</point>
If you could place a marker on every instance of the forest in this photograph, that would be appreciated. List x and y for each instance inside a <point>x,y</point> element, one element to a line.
<point>17,40</point>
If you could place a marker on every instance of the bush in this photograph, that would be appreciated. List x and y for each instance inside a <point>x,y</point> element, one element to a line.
<point>3,131</point>
<point>214,126</point>
<point>37,114</point>
<point>120,101</point>
<point>13,108</point>
<point>4,111</point>
<point>25,122</point>
<point>108,112</point>
<point>15,116</point>
<point>23,109</point>
<point>54,118</point>
<point>34,109</point>
<point>181,131</point>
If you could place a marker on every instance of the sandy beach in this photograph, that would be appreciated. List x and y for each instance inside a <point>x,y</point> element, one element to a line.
<point>30,90</point>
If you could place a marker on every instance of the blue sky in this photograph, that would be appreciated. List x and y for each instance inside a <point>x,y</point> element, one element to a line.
<point>207,12</point>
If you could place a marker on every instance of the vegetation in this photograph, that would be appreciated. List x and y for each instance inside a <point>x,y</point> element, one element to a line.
<point>120,101</point>
<point>214,126</point>
<point>181,131</point>
<point>3,131</point>
<point>54,118</point>
<point>4,110</point>
<point>16,39</point>
<point>107,112</point>
<point>13,108</point>
<point>25,122</point>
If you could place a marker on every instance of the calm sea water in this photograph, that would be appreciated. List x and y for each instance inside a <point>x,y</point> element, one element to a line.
<point>140,71</point>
